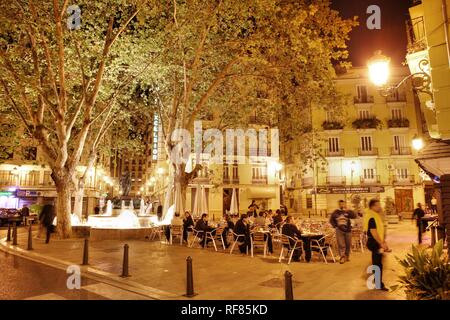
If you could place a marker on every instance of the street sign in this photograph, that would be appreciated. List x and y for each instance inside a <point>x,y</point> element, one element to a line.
<point>345,190</point>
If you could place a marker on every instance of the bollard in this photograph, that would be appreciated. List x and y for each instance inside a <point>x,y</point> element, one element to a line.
<point>125,262</point>
<point>30,237</point>
<point>190,279</point>
<point>86,252</point>
<point>289,293</point>
<point>8,236</point>
<point>14,234</point>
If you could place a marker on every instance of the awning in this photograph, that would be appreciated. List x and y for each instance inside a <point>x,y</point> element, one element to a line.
<point>434,159</point>
<point>261,192</point>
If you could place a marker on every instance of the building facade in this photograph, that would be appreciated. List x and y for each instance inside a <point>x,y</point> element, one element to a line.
<point>428,34</point>
<point>364,152</point>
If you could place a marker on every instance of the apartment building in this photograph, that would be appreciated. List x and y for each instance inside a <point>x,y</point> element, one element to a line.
<point>253,178</point>
<point>428,33</point>
<point>364,151</point>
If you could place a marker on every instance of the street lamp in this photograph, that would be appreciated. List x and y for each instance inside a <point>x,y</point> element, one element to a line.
<point>417,143</point>
<point>379,72</point>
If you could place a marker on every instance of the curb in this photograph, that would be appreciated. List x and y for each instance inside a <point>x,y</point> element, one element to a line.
<point>91,273</point>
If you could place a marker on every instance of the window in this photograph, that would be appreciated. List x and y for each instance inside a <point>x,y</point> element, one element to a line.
<point>399,142</point>
<point>397,113</point>
<point>235,171</point>
<point>309,202</point>
<point>226,173</point>
<point>333,144</point>
<point>402,173</point>
<point>369,174</point>
<point>366,143</point>
<point>362,93</point>
<point>364,114</point>
<point>259,173</point>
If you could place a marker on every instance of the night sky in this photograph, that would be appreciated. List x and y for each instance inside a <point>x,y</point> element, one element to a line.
<point>391,38</point>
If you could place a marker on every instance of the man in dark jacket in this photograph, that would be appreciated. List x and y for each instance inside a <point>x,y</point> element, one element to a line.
<point>340,220</point>
<point>277,219</point>
<point>290,229</point>
<point>242,227</point>
<point>418,214</point>
<point>46,218</point>
<point>188,224</point>
<point>202,225</point>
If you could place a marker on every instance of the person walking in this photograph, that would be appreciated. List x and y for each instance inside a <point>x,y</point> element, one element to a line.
<point>188,225</point>
<point>374,227</point>
<point>46,219</point>
<point>418,214</point>
<point>340,220</point>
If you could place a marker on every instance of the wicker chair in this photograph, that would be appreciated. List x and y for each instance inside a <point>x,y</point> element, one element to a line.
<point>290,244</point>
<point>258,239</point>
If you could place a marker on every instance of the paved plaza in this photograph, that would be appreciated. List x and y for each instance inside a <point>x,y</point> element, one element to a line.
<point>158,270</point>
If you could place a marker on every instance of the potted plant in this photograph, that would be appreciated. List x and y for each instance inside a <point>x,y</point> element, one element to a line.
<point>367,123</point>
<point>427,273</point>
<point>332,125</point>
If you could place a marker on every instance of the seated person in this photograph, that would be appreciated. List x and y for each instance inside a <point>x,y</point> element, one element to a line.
<point>242,227</point>
<point>202,225</point>
<point>228,225</point>
<point>260,221</point>
<point>290,229</point>
<point>278,219</point>
<point>176,221</point>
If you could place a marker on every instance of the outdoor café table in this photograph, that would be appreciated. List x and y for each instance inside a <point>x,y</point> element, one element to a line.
<point>306,238</point>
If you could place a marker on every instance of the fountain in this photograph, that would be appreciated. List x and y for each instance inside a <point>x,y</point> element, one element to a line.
<point>142,208</point>
<point>108,208</point>
<point>131,205</point>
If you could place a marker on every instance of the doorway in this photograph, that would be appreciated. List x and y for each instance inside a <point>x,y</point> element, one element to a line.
<point>404,201</point>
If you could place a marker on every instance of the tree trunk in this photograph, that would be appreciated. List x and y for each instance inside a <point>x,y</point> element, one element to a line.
<point>63,209</point>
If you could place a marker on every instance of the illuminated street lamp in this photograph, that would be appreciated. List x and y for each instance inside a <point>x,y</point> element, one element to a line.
<point>379,72</point>
<point>417,143</point>
<point>379,69</point>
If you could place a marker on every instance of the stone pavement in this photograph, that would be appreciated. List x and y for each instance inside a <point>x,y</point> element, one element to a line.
<point>160,269</point>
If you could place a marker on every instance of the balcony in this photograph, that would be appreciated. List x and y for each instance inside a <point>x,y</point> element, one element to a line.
<point>308,182</point>
<point>367,123</point>
<point>401,151</point>
<point>335,153</point>
<point>363,99</point>
<point>370,180</point>
<point>403,180</point>
<point>398,123</point>
<point>201,180</point>
<point>368,152</point>
<point>259,180</point>
<point>396,98</point>
<point>332,125</point>
<point>228,180</point>
<point>336,180</point>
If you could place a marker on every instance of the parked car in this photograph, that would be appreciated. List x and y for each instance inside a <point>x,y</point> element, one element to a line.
<point>7,214</point>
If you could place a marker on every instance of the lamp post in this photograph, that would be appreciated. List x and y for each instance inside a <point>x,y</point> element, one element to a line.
<point>379,72</point>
